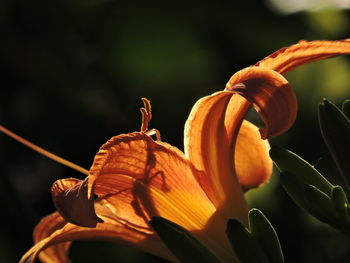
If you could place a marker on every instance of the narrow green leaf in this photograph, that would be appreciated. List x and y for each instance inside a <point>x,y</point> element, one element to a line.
<point>316,202</point>
<point>339,200</point>
<point>335,129</point>
<point>244,244</point>
<point>294,188</point>
<point>320,204</point>
<point>305,172</point>
<point>346,108</point>
<point>263,231</point>
<point>185,247</point>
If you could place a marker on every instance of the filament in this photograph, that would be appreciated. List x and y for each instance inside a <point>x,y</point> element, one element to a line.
<point>43,151</point>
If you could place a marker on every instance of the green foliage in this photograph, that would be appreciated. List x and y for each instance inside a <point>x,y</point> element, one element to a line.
<point>247,248</point>
<point>263,231</point>
<point>346,108</point>
<point>289,161</point>
<point>259,244</point>
<point>335,128</point>
<point>306,186</point>
<point>184,246</point>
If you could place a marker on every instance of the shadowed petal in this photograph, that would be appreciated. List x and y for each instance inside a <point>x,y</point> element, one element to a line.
<point>252,162</point>
<point>71,201</point>
<point>288,58</point>
<point>142,178</point>
<point>53,235</point>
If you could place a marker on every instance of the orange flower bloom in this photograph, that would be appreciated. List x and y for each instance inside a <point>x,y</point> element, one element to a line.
<point>134,177</point>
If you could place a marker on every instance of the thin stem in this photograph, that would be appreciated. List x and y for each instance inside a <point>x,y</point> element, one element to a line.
<point>43,152</point>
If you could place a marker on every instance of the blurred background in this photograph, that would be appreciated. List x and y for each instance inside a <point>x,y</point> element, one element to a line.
<point>73,71</point>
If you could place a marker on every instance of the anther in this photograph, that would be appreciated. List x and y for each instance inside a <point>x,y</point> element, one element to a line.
<point>146,112</point>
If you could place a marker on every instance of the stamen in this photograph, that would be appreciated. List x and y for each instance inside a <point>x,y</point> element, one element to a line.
<point>146,112</point>
<point>42,151</point>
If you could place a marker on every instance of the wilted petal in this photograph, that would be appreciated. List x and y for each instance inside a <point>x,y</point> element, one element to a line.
<point>53,235</point>
<point>72,202</point>
<point>252,162</point>
<point>288,58</point>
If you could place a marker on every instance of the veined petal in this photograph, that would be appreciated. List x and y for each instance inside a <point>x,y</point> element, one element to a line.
<point>72,202</point>
<point>207,146</point>
<point>53,236</point>
<point>288,58</point>
<point>271,95</point>
<point>141,178</point>
<point>252,162</point>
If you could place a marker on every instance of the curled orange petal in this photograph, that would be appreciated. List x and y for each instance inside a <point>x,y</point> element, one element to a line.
<point>270,94</point>
<point>208,146</point>
<point>213,126</point>
<point>72,202</point>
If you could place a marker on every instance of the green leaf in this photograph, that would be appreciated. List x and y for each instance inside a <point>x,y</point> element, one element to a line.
<point>320,204</point>
<point>335,129</point>
<point>244,244</point>
<point>182,243</point>
<point>263,231</point>
<point>339,199</point>
<point>294,188</point>
<point>346,108</point>
<point>299,191</point>
<point>305,172</point>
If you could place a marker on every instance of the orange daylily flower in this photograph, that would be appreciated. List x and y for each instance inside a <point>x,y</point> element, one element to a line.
<point>134,177</point>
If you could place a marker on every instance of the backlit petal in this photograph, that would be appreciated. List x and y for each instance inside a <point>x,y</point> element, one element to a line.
<point>270,94</point>
<point>142,178</point>
<point>214,122</point>
<point>53,235</point>
<point>207,146</point>
<point>252,162</point>
<point>288,58</point>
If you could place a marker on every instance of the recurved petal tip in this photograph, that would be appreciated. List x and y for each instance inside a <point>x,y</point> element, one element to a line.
<point>271,95</point>
<point>71,200</point>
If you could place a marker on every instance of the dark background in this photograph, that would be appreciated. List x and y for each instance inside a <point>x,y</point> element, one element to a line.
<point>72,74</point>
